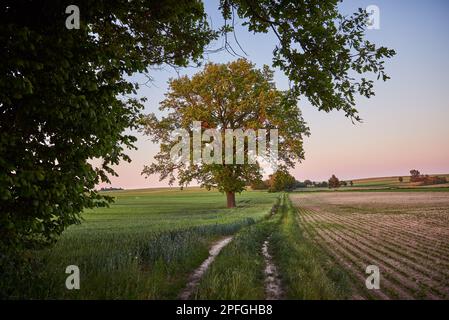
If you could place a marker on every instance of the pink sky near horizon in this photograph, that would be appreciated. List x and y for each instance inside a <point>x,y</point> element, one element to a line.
<point>406,125</point>
<point>388,143</point>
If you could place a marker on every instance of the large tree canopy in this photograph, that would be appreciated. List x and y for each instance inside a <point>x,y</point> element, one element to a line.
<point>64,99</point>
<point>225,96</point>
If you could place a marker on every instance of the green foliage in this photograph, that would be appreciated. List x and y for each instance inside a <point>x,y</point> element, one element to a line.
<point>65,99</point>
<point>281,180</point>
<point>232,96</point>
<point>323,52</point>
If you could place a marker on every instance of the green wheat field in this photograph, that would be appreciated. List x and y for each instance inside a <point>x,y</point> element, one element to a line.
<point>148,242</point>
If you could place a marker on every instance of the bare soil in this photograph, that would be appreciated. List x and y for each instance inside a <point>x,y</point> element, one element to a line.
<point>196,276</point>
<point>273,287</point>
<point>406,234</point>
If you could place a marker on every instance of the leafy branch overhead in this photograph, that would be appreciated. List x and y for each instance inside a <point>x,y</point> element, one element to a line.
<point>323,53</point>
<point>66,98</point>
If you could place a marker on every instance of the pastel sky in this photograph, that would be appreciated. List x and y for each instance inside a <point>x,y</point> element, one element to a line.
<point>406,125</point>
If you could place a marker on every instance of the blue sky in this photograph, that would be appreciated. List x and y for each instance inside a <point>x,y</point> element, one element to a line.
<point>406,125</point>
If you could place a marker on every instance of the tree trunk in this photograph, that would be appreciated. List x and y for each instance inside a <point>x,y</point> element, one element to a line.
<point>230,197</point>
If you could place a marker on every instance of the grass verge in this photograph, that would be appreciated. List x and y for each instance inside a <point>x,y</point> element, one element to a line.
<point>306,271</point>
<point>237,272</point>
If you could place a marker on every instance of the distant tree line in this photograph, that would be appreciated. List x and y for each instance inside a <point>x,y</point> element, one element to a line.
<point>309,184</point>
<point>283,181</point>
<point>423,180</point>
<point>110,189</point>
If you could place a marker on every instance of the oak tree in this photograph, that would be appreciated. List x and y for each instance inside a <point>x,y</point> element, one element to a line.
<point>225,96</point>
